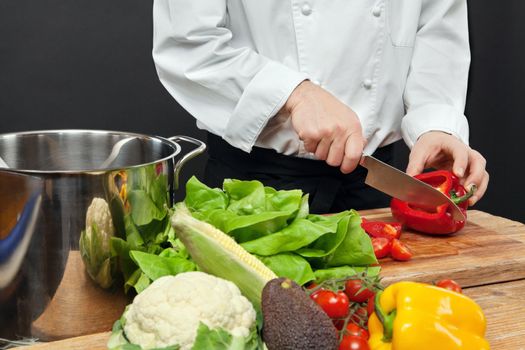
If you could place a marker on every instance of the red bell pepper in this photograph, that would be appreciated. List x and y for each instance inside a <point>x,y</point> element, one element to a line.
<point>440,220</point>
<point>382,246</point>
<point>388,230</point>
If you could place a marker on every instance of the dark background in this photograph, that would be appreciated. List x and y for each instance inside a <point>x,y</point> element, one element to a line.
<point>87,64</point>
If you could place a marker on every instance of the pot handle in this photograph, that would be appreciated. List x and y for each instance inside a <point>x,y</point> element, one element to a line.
<point>201,147</point>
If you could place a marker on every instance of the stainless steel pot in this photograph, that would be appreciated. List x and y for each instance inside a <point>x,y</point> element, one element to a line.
<point>48,180</point>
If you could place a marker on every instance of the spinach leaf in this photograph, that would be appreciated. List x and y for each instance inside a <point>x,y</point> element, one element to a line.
<point>246,197</point>
<point>143,209</point>
<point>220,339</point>
<point>304,208</point>
<point>158,191</point>
<point>155,266</point>
<point>344,272</point>
<point>142,282</point>
<point>356,248</point>
<point>284,200</point>
<point>298,234</point>
<point>248,227</point>
<point>289,265</point>
<point>133,236</point>
<point>329,242</point>
<point>133,279</point>
<point>120,248</point>
<point>200,197</point>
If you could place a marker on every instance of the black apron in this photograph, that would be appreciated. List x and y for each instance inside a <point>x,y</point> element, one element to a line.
<point>330,190</point>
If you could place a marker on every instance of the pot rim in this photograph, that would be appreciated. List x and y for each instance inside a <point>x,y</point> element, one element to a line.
<point>175,146</point>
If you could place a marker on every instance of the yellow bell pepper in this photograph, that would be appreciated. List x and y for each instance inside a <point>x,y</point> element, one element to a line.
<point>416,316</point>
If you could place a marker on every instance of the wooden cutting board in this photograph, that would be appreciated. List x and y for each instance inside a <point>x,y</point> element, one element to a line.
<point>489,250</point>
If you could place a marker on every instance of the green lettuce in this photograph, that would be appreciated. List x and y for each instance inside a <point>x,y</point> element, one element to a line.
<point>290,265</point>
<point>219,339</point>
<point>275,226</point>
<point>146,247</point>
<point>344,271</point>
<point>165,264</point>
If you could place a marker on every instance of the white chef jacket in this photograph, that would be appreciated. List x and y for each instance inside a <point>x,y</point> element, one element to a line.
<point>401,65</point>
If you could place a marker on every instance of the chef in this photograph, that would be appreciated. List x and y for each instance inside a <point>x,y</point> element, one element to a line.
<point>292,93</point>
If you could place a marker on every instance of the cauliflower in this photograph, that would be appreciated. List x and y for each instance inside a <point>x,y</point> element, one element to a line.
<point>98,213</point>
<point>169,311</point>
<point>94,243</point>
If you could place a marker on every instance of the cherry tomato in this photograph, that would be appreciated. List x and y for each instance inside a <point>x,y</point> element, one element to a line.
<point>450,284</point>
<point>400,251</point>
<point>352,342</point>
<point>360,315</point>
<point>334,304</point>
<point>338,324</point>
<point>353,329</point>
<point>382,246</point>
<point>354,292</point>
<point>370,305</point>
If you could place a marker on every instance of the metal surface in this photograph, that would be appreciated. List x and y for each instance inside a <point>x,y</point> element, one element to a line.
<point>201,147</point>
<point>17,221</point>
<point>398,184</point>
<point>52,179</point>
<point>115,151</point>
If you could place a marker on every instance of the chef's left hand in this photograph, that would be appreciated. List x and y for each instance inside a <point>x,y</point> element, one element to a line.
<point>439,150</point>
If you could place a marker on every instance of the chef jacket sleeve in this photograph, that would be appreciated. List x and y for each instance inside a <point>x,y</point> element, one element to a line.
<point>232,91</point>
<point>436,88</point>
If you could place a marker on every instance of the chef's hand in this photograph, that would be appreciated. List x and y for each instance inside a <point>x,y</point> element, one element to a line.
<point>329,129</point>
<point>439,150</point>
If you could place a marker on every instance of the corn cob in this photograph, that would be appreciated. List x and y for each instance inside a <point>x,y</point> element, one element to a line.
<point>218,254</point>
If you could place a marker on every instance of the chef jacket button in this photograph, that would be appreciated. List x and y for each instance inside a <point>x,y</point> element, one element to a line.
<point>367,84</point>
<point>376,11</point>
<point>306,9</point>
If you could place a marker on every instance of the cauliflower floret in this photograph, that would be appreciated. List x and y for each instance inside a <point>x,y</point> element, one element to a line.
<point>94,243</point>
<point>98,213</point>
<point>168,312</point>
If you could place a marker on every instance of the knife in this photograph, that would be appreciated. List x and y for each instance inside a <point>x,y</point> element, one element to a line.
<point>400,185</point>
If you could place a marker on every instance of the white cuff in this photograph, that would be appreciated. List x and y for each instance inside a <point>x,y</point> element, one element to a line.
<point>264,96</point>
<point>434,117</point>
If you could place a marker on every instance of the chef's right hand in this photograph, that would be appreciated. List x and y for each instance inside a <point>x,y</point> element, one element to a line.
<point>329,128</point>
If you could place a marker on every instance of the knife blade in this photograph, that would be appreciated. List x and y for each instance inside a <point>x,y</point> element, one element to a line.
<point>400,185</point>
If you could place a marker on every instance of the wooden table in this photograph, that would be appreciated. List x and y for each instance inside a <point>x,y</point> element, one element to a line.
<point>502,304</point>
<point>487,258</point>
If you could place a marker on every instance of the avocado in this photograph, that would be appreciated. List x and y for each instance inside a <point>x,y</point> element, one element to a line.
<point>291,320</point>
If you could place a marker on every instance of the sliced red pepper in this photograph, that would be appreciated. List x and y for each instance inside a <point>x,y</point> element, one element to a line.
<point>382,246</point>
<point>400,251</point>
<point>388,230</point>
<point>440,220</point>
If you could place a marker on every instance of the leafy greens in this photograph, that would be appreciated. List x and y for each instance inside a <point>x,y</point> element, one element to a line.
<point>276,227</point>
